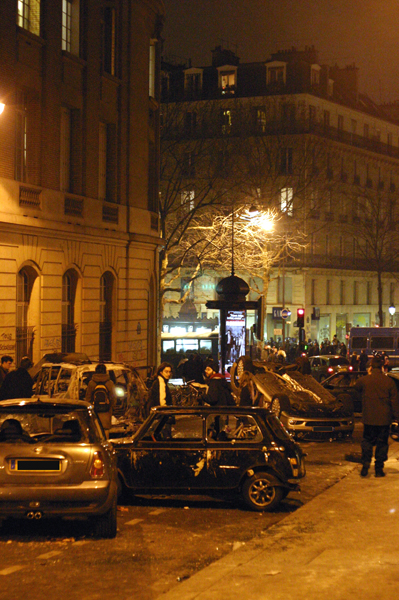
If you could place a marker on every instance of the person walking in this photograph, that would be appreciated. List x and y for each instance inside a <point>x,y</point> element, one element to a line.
<point>363,360</point>
<point>159,394</point>
<point>193,369</point>
<point>6,362</point>
<point>18,383</point>
<point>380,409</point>
<point>101,393</point>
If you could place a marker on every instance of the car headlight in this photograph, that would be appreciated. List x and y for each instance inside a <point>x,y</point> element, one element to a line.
<point>120,391</point>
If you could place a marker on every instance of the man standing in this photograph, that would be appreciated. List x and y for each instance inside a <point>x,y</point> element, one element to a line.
<point>18,384</point>
<point>380,409</point>
<point>217,389</point>
<point>101,393</point>
<point>6,362</point>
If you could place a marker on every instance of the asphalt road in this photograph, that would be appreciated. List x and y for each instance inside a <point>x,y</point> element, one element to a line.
<point>160,541</point>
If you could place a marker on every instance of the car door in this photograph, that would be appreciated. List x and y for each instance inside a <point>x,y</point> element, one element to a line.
<point>170,454</point>
<point>234,444</point>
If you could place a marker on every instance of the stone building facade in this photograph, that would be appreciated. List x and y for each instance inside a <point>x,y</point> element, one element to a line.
<point>79,156</point>
<point>333,165</point>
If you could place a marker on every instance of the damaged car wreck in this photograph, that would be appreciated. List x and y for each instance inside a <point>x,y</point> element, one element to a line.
<point>233,453</point>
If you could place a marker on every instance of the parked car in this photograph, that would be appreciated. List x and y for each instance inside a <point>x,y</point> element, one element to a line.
<point>223,451</point>
<point>305,408</point>
<point>56,462</point>
<point>343,383</point>
<point>325,365</point>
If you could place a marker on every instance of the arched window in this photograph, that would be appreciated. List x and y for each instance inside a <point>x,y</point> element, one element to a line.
<point>106,312</point>
<point>69,284</point>
<point>24,331</point>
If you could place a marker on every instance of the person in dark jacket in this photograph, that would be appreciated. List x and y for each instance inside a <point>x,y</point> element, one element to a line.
<point>363,360</point>
<point>193,369</point>
<point>217,389</point>
<point>18,383</point>
<point>6,362</point>
<point>160,393</point>
<point>100,375</point>
<point>380,409</point>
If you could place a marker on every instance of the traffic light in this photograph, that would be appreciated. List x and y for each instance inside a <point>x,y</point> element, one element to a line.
<point>300,317</point>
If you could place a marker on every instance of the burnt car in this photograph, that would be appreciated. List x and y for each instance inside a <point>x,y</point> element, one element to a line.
<point>56,462</point>
<point>325,365</point>
<point>344,383</point>
<point>222,451</point>
<point>306,409</point>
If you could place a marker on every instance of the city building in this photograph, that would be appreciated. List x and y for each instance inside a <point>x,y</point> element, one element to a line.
<point>307,143</point>
<point>79,161</point>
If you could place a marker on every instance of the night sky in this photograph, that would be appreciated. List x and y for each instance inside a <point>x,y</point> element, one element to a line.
<point>364,32</point>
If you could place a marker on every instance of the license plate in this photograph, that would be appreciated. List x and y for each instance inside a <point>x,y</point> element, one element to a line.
<point>319,428</point>
<point>35,465</point>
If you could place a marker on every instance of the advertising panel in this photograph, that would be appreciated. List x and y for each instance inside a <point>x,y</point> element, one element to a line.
<point>235,336</point>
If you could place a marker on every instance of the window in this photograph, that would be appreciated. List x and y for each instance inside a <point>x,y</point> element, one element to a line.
<point>106,313</point>
<point>69,282</point>
<point>222,428</point>
<point>313,292</point>
<point>226,121</point>
<point>187,198</point>
<point>102,162</point>
<point>28,15</point>
<point>392,293</point>
<point>340,123</point>
<point>286,155</point>
<point>107,162</point>
<point>65,151</point>
<point>228,82</point>
<point>369,292</point>
<point>312,115</point>
<point>20,136</point>
<point>355,292</point>
<point>109,40</point>
<point>315,76</point>
<point>389,139</point>
<point>328,291</point>
<point>24,331</point>
<point>260,118</point>
<point>152,69</point>
<point>326,119</point>
<point>286,283</point>
<point>276,74</point>
<point>366,131</point>
<point>342,292</point>
<point>286,200</point>
<point>193,83</point>
<point>66,24</point>
<point>190,122</point>
<point>189,164</point>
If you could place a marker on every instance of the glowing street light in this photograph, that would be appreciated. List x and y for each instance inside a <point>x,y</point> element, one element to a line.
<point>2,107</point>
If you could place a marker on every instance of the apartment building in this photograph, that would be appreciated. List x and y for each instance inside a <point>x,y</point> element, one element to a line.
<point>79,161</point>
<point>327,161</point>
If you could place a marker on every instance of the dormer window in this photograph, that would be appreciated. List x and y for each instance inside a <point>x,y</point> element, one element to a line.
<point>193,82</point>
<point>227,79</point>
<point>315,75</point>
<point>276,73</point>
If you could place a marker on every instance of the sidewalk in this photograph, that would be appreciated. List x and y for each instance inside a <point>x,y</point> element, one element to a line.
<point>344,543</point>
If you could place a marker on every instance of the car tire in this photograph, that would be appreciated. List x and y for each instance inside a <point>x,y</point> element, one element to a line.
<point>347,402</point>
<point>105,526</point>
<point>279,404</point>
<point>260,493</point>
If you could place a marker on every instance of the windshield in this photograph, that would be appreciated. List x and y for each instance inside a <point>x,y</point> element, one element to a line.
<point>277,427</point>
<point>32,425</point>
<point>340,360</point>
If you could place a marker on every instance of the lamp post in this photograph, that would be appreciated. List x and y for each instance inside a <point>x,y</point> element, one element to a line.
<point>391,311</point>
<point>2,107</point>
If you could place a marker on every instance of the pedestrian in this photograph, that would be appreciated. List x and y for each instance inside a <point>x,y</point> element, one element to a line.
<point>342,350</point>
<point>249,393</point>
<point>380,409</point>
<point>354,362</point>
<point>159,394</point>
<point>101,393</point>
<point>217,389</point>
<point>363,360</point>
<point>6,362</point>
<point>18,383</point>
<point>303,363</point>
<point>193,369</point>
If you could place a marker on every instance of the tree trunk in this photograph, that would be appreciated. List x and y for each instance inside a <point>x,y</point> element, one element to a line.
<point>380,314</point>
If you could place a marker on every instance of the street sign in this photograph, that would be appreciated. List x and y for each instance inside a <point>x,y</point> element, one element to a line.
<point>285,313</point>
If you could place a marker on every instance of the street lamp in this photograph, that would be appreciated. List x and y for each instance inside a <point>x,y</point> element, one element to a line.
<point>2,107</point>
<point>391,311</point>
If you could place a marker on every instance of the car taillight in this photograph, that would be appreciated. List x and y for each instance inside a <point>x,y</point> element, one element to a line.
<point>350,369</point>
<point>97,466</point>
<point>330,370</point>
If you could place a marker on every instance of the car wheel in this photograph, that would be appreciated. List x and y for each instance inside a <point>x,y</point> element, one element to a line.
<point>105,526</point>
<point>279,404</point>
<point>347,402</point>
<point>259,493</point>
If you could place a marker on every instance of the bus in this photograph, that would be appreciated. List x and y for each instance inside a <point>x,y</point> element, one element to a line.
<point>374,340</point>
<point>177,347</point>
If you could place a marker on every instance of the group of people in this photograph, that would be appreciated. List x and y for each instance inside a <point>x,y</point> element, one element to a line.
<point>15,383</point>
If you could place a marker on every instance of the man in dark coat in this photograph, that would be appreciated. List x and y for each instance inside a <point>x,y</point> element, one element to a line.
<point>100,376</point>
<point>18,384</point>
<point>218,391</point>
<point>380,409</point>
<point>6,362</point>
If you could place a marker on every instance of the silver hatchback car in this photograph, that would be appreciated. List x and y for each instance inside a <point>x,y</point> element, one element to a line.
<point>55,461</point>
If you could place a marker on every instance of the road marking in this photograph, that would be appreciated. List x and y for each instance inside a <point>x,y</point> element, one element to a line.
<point>134,521</point>
<point>158,511</point>
<point>49,554</point>
<point>10,570</point>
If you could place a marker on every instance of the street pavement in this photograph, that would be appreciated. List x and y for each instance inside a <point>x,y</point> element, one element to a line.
<point>342,544</point>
